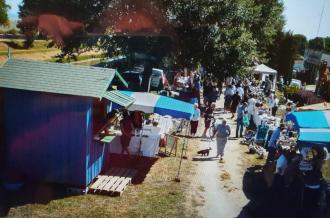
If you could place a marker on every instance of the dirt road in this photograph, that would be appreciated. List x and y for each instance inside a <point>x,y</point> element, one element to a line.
<point>221,184</point>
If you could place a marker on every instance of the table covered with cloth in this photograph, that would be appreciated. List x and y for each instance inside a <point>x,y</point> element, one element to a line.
<point>149,145</point>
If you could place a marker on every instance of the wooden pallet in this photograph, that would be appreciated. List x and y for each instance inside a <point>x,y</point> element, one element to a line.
<point>114,182</point>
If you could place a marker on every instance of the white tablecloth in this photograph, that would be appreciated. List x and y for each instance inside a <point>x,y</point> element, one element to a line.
<point>149,145</point>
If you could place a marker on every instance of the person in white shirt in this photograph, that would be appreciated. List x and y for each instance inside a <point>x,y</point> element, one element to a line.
<point>240,91</point>
<point>251,105</point>
<point>270,99</point>
<point>194,120</point>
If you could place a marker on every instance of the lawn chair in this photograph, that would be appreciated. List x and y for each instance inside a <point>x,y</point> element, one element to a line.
<point>261,135</point>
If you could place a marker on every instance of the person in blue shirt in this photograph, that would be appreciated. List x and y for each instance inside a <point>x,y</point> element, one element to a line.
<point>272,144</point>
<point>194,120</point>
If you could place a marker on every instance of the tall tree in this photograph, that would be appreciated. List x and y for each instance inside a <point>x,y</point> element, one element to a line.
<point>316,44</point>
<point>301,42</point>
<point>225,36</point>
<point>284,53</point>
<point>4,19</point>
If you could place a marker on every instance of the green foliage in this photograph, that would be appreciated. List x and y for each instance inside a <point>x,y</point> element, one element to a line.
<point>86,11</point>
<point>301,42</point>
<point>290,90</point>
<point>320,44</point>
<point>12,31</point>
<point>283,53</point>
<point>225,36</point>
<point>4,13</point>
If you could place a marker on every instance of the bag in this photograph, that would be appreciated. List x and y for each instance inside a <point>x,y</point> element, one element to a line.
<point>246,120</point>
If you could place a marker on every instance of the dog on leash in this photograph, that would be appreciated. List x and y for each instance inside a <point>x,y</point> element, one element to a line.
<point>205,152</point>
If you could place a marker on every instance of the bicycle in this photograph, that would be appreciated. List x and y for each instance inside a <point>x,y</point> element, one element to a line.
<point>212,128</point>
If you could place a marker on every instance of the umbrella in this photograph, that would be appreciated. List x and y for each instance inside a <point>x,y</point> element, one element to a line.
<point>162,105</point>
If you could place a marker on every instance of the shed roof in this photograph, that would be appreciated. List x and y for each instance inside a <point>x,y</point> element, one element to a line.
<point>119,98</point>
<point>55,78</point>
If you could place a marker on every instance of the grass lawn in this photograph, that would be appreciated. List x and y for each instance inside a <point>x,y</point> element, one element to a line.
<point>157,196</point>
<point>17,46</point>
<point>83,57</point>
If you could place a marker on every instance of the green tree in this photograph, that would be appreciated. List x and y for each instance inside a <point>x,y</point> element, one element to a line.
<point>316,44</point>
<point>225,36</point>
<point>4,20</point>
<point>283,54</point>
<point>301,42</point>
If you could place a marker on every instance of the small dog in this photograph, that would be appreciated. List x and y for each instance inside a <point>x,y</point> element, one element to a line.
<point>205,152</point>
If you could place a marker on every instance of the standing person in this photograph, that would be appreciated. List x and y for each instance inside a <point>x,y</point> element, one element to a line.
<point>275,106</point>
<point>310,169</point>
<point>207,89</point>
<point>251,109</point>
<point>222,133</point>
<point>208,115</point>
<point>267,86</point>
<point>214,92</point>
<point>126,127</point>
<point>240,90</point>
<point>272,144</point>
<point>236,98</point>
<point>228,94</point>
<point>270,99</point>
<point>137,119</point>
<point>197,86</point>
<point>240,115</point>
<point>194,120</point>
<point>219,85</point>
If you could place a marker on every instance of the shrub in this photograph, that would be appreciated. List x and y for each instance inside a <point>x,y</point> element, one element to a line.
<point>303,97</point>
<point>12,31</point>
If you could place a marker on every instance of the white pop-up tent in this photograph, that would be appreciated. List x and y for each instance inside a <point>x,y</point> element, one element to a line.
<point>263,71</point>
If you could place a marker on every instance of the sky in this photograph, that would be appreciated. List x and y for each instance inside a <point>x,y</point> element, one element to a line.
<point>302,16</point>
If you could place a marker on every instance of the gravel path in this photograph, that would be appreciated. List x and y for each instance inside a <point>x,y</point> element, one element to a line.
<point>222,193</point>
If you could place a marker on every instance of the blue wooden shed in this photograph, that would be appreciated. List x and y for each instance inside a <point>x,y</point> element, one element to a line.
<point>50,113</point>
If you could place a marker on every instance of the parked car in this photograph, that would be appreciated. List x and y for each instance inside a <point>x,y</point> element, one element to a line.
<point>158,80</point>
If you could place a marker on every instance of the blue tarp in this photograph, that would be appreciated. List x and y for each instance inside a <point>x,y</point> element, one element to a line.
<point>309,137</point>
<point>310,119</point>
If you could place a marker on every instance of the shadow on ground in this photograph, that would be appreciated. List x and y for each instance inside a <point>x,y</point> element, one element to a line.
<point>270,202</point>
<point>14,45</point>
<point>31,193</point>
<point>44,193</point>
<point>141,164</point>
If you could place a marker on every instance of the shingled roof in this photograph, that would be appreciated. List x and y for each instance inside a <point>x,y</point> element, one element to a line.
<point>55,78</point>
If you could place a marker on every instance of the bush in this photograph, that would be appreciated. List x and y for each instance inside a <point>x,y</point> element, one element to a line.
<point>303,97</point>
<point>12,31</point>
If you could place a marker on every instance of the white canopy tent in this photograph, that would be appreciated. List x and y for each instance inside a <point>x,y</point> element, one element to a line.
<point>263,71</point>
